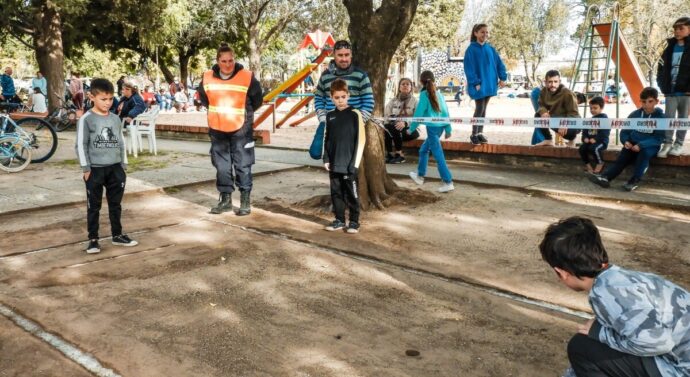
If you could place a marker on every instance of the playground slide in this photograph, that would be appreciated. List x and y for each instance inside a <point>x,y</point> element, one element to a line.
<point>630,71</point>
<point>289,86</point>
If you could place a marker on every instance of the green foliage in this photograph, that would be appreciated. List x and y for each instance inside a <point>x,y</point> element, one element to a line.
<point>434,26</point>
<point>529,30</point>
<point>90,62</point>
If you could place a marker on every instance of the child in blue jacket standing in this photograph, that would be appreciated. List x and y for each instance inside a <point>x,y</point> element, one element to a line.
<point>431,104</point>
<point>639,146</point>
<point>485,73</point>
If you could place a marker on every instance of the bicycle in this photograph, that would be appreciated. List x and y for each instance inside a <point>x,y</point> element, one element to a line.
<point>38,134</point>
<point>15,153</point>
<point>63,117</point>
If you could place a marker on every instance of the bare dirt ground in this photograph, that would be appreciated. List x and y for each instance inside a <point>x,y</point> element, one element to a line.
<point>272,294</point>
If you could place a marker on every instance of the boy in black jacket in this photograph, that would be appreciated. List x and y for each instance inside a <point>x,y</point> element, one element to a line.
<point>673,78</point>
<point>639,145</point>
<point>344,145</point>
<point>594,141</point>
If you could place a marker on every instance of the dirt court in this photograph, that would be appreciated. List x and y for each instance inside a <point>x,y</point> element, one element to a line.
<point>273,294</point>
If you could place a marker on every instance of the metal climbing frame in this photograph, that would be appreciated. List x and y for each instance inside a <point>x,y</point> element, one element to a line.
<point>593,49</point>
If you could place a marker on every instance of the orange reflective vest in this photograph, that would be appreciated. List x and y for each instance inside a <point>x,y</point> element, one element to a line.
<point>227,100</point>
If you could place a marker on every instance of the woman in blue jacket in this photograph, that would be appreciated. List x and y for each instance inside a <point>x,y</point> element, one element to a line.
<point>431,104</point>
<point>485,73</point>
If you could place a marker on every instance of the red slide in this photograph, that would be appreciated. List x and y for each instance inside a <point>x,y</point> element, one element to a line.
<point>631,74</point>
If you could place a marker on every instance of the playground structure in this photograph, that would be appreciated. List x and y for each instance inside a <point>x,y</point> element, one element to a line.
<point>602,42</point>
<point>274,98</point>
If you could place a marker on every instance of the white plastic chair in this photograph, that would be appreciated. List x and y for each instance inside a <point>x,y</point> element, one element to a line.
<point>131,138</point>
<point>145,125</point>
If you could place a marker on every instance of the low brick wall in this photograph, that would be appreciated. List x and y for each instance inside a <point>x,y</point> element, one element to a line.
<point>532,151</point>
<point>177,131</point>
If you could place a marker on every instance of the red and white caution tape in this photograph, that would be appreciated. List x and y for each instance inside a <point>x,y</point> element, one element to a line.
<point>645,124</point>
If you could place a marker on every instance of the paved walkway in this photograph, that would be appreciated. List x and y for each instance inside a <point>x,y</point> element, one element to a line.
<point>55,184</point>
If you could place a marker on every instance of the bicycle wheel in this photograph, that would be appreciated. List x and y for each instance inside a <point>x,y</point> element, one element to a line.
<point>15,155</point>
<point>42,137</point>
<point>66,119</point>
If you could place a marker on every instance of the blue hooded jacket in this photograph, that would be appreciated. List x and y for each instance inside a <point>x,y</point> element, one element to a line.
<point>652,139</point>
<point>483,66</point>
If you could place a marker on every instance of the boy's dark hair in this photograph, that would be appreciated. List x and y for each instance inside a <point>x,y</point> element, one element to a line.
<point>339,85</point>
<point>580,98</point>
<point>649,92</point>
<point>574,245</point>
<point>597,101</point>
<point>552,73</point>
<point>99,86</point>
<point>223,48</point>
<point>476,28</point>
<point>682,21</point>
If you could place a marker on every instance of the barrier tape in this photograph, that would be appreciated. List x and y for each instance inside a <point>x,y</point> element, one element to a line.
<point>642,124</point>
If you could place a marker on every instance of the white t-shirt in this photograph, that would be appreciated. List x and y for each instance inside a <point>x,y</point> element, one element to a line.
<point>181,97</point>
<point>39,103</point>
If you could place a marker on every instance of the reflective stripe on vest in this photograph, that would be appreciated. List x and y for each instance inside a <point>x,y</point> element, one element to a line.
<point>227,100</point>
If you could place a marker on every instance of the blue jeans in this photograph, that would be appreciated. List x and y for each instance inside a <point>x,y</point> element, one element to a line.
<point>433,144</point>
<point>627,157</point>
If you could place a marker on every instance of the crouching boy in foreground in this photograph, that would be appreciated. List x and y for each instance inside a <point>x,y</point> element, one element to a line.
<point>641,325</point>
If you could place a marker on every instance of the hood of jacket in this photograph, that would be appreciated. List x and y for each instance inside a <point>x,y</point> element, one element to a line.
<point>216,70</point>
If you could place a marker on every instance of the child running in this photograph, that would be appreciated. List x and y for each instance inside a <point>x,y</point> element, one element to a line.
<point>343,148</point>
<point>639,146</point>
<point>101,152</point>
<point>432,104</point>
<point>641,325</point>
<point>485,72</point>
<point>595,141</point>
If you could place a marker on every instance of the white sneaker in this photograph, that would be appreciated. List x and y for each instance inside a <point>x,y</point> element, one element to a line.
<point>676,150</point>
<point>663,153</point>
<point>446,187</point>
<point>416,178</point>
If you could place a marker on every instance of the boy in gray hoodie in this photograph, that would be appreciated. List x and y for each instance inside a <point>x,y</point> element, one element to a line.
<point>101,151</point>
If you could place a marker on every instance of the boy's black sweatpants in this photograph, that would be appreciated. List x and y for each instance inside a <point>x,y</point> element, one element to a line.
<point>596,150</point>
<point>113,178</point>
<point>344,193</point>
<point>591,358</point>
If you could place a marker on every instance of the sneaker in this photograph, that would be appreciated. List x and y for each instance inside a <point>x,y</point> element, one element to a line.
<point>335,225</point>
<point>93,247</point>
<point>482,139</point>
<point>398,159</point>
<point>600,180</point>
<point>353,227</point>
<point>474,139</point>
<point>416,178</point>
<point>124,240</point>
<point>676,150</point>
<point>631,185</point>
<point>446,187</point>
<point>663,153</point>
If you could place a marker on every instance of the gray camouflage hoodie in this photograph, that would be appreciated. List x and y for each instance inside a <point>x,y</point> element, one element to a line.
<point>644,315</point>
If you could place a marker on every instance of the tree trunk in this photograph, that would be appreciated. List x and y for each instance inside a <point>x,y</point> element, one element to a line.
<point>254,51</point>
<point>49,54</point>
<point>167,73</point>
<point>375,36</point>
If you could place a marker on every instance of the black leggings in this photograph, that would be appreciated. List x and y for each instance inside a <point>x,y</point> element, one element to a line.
<point>480,112</point>
<point>395,137</point>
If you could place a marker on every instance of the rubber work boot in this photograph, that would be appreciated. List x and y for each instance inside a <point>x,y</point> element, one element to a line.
<point>245,207</point>
<point>224,203</point>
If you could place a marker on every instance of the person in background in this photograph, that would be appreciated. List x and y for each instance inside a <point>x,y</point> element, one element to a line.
<point>76,90</point>
<point>402,105</point>
<point>37,101</point>
<point>40,82</point>
<point>131,103</point>
<point>595,141</point>
<point>9,93</point>
<point>181,101</point>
